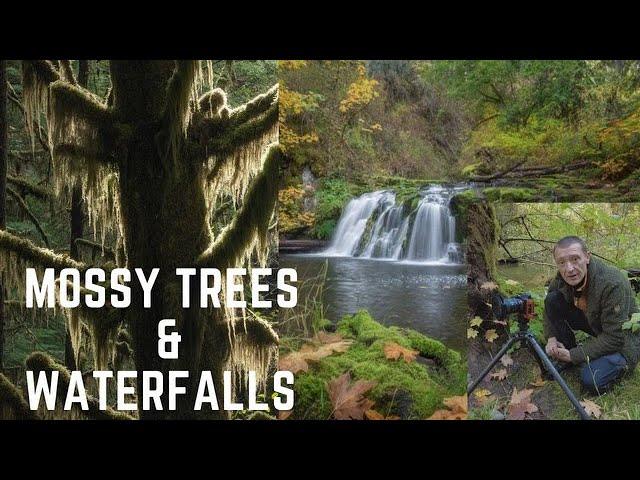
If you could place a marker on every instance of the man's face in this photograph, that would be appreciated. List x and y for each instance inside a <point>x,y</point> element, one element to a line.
<point>572,263</point>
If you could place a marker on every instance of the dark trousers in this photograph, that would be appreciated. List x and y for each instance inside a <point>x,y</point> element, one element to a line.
<point>598,374</point>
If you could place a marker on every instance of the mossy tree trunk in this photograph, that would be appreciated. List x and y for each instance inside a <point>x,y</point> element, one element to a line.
<point>479,227</point>
<point>164,155</point>
<point>482,243</point>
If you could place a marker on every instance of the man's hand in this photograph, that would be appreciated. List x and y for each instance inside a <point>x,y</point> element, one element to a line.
<point>563,355</point>
<point>553,348</point>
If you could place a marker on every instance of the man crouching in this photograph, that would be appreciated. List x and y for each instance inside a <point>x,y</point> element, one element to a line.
<point>596,298</point>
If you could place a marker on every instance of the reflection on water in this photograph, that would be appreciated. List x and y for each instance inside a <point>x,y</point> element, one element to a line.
<point>428,298</point>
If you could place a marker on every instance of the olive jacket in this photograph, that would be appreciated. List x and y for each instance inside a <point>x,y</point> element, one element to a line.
<point>610,303</point>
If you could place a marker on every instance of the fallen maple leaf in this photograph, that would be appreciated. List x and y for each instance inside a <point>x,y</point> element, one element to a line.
<point>520,404</point>
<point>538,382</point>
<point>499,374</point>
<point>457,409</point>
<point>472,333</point>
<point>592,408</point>
<point>375,415</point>
<point>295,361</point>
<point>506,360</point>
<point>490,335</point>
<point>476,322</point>
<point>348,400</point>
<point>284,414</point>
<point>327,349</point>
<point>393,351</point>
<point>482,395</point>
<point>447,415</point>
<point>325,337</point>
<point>457,404</point>
<point>298,361</point>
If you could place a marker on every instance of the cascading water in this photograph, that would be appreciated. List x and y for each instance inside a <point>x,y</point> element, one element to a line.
<point>375,226</point>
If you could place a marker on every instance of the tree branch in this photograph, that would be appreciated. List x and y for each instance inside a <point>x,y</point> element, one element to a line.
<point>249,228</point>
<point>244,133</point>
<point>30,188</point>
<point>495,176</point>
<point>79,124</point>
<point>36,255</point>
<point>213,126</point>
<point>25,208</point>
<point>108,252</point>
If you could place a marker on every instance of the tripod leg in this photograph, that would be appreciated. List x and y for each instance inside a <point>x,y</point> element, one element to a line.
<point>552,370</point>
<point>495,360</point>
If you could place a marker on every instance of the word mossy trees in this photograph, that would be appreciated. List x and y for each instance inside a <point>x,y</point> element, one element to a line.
<point>153,161</point>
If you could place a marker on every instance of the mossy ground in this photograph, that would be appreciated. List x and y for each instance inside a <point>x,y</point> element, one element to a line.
<point>409,390</point>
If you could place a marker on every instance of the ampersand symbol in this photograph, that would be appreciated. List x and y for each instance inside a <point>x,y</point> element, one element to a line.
<point>173,339</point>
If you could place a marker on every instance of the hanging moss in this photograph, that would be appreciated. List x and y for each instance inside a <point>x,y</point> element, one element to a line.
<point>36,77</point>
<point>180,90</point>
<point>102,323</point>
<point>237,157</point>
<point>77,117</point>
<point>82,136</point>
<point>248,231</point>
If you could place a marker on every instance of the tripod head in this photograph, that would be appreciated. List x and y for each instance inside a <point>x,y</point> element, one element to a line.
<point>522,305</point>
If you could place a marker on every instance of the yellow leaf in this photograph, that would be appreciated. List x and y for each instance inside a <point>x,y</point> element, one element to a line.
<point>490,335</point>
<point>476,322</point>
<point>472,333</point>
<point>482,395</point>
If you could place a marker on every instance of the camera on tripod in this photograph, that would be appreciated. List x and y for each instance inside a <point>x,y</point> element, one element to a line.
<point>521,305</point>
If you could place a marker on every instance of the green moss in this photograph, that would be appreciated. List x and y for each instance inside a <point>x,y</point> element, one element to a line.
<point>510,194</point>
<point>12,404</point>
<point>409,390</point>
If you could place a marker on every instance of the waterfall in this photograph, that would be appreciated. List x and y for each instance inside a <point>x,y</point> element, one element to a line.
<point>374,225</point>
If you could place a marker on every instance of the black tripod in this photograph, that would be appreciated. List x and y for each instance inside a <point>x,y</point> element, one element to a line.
<point>525,337</point>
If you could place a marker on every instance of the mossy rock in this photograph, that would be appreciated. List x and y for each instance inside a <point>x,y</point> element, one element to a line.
<point>409,390</point>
